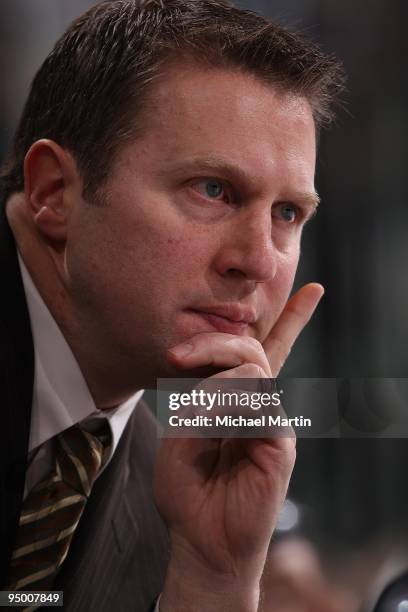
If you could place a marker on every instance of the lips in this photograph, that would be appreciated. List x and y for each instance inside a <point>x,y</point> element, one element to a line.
<point>227,318</point>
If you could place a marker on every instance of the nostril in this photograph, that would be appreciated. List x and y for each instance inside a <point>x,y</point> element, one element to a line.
<point>234,272</point>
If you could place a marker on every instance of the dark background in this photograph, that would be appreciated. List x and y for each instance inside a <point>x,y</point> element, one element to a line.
<point>352,494</point>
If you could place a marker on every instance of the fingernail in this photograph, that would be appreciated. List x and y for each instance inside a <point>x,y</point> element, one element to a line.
<point>182,350</point>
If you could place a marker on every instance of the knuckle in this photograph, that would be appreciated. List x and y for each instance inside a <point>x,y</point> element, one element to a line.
<point>253,370</point>
<point>288,451</point>
<point>234,342</point>
<point>255,344</point>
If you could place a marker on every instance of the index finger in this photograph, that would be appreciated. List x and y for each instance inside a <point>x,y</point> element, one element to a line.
<point>293,319</point>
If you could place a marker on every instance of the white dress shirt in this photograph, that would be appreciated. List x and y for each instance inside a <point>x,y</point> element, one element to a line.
<point>61,397</point>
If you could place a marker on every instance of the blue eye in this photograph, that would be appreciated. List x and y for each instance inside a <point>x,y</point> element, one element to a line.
<point>289,213</point>
<point>211,188</point>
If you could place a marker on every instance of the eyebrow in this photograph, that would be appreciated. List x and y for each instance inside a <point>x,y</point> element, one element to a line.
<point>311,199</point>
<point>219,164</point>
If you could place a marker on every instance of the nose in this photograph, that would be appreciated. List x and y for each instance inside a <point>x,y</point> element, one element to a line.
<point>247,249</point>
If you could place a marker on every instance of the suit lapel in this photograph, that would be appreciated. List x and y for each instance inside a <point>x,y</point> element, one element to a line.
<point>121,540</point>
<point>16,378</point>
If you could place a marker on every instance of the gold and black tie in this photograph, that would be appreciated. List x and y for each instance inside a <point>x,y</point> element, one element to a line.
<point>53,508</point>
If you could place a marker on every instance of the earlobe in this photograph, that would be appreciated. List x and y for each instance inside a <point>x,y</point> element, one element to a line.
<point>47,175</point>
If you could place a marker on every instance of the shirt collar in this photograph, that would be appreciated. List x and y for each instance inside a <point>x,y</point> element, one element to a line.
<point>61,397</point>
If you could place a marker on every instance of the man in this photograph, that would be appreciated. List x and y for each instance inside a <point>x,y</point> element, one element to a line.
<point>154,201</point>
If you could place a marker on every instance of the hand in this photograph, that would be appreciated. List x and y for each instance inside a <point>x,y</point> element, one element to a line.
<point>221,498</point>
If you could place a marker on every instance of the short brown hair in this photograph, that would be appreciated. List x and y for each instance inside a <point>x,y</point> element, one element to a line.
<point>94,85</point>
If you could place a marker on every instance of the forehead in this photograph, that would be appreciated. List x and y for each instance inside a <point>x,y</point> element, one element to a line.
<point>200,112</point>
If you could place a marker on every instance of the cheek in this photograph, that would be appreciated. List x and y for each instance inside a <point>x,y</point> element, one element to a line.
<point>166,268</point>
<point>173,245</point>
<point>176,258</point>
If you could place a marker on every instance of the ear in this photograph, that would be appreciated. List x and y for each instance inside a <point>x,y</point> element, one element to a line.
<point>50,180</point>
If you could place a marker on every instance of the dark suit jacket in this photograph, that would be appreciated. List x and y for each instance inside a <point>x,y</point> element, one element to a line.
<point>119,553</point>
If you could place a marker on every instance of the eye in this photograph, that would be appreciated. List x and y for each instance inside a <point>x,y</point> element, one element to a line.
<point>288,212</point>
<point>211,188</point>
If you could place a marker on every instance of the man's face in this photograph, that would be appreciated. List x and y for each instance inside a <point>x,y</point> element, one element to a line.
<point>202,232</point>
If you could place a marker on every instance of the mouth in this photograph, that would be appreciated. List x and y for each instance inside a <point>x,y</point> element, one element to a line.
<point>230,319</point>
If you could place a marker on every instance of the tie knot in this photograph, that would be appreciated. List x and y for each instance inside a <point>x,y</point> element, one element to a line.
<point>81,452</point>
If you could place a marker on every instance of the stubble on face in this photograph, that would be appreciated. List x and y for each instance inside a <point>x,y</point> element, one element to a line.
<point>141,267</point>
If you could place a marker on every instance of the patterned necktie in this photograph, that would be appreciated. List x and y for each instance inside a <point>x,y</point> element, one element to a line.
<point>52,509</point>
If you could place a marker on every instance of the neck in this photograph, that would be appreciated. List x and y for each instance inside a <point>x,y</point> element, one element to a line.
<point>45,264</point>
